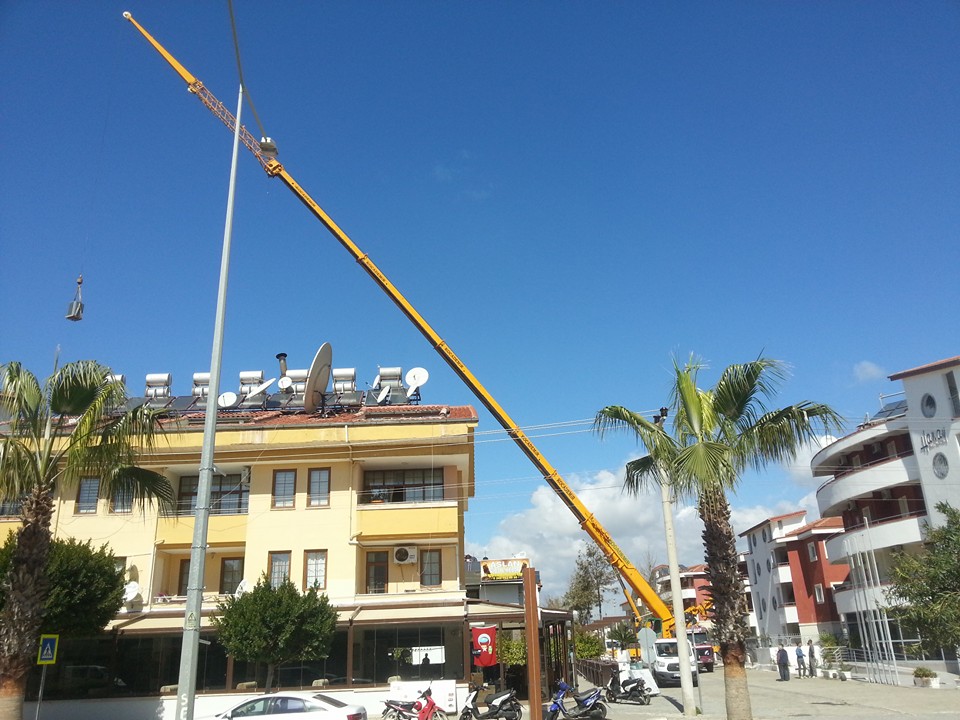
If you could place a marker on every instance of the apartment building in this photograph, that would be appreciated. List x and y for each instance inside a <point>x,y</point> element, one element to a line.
<point>882,484</point>
<point>791,577</point>
<point>363,496</point>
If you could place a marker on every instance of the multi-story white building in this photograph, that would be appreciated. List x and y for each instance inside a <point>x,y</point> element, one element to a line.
<point>884,481</point>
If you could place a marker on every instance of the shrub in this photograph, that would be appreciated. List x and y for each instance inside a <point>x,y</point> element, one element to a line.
<point>923,672</point>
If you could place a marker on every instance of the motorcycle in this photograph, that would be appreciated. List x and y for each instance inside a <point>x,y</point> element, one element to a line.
<point>414,709</point>
<point>632,690</point>
<point>589,705</point>
<point>500,706</point>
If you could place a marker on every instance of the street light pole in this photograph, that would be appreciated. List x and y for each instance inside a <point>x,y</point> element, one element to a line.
<point>680,626</point>
<point>187,683</point>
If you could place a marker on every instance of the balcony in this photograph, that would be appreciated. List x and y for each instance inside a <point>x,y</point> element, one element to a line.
<point>833,495</point>
<point>881,534</point>
<point>850,599</point>
<point>398,520</point>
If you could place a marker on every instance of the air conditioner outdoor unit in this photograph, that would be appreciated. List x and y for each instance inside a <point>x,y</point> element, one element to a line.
<point>404,555</point>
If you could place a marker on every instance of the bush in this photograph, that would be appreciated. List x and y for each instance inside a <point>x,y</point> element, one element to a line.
<point>924,672</point>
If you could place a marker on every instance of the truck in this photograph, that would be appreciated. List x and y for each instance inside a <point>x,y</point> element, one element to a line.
<point>264,151</point>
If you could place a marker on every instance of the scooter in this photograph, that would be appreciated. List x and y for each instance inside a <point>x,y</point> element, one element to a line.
<point>500,706</point>
<point>633,690</point>
<point>414,709</point>
<point>589,705</point>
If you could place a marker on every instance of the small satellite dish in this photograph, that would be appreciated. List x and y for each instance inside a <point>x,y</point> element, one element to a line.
<point>260,388</point>
<point>285,383</point>
<point>317,377</point>
<point>416,378</point>
<point>228,400</point>
<point>383,395</point>
<point>130,591</point>
<point>241,587</point>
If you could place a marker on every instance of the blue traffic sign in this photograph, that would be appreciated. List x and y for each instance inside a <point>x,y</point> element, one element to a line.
<point>48,649</point>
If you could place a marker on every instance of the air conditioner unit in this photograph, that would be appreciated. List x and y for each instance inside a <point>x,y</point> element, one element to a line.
<point>404,555</point>
<point>245,475</point>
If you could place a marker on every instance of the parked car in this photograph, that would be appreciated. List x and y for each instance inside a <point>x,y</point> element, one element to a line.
<point>306,705</point>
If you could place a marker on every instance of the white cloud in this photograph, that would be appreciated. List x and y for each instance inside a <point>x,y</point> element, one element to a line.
<point>866,371</point>
<point>799,468</point>
<point>550,536</point>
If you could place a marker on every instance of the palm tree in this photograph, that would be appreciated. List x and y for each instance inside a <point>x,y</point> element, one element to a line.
<point>75,426</point>
<point>717,434</point>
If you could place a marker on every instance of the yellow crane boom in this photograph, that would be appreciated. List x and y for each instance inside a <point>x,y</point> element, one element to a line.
<point>587,521</point>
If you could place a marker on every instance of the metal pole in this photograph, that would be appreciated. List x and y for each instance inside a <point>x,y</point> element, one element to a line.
<point>680,628</point>
<point>187,683</point>
<point>43,680</point>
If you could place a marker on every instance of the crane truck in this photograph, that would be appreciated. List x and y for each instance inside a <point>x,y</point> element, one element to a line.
<point>265,153</point>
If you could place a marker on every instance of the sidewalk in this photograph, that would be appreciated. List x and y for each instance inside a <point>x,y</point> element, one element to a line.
<point>821,698</point>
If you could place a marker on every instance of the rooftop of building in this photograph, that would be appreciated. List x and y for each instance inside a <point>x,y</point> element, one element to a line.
<point>773,520</point>
<point>929,367</point>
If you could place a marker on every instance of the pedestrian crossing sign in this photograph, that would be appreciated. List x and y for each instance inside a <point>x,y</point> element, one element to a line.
<point>48,649</point>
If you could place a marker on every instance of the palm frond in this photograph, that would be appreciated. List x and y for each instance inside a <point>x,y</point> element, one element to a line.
<point>779,434</point>
<point>143,486</point>
<point>641,474</point>
<point>703,465</point>
<point>743,389</point>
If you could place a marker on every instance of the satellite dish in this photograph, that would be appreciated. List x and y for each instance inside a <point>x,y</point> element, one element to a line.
<point>416,378</point>
<point>260,388</point>
<point>383,395</point>
<point>228,400</point>
<point>285,383</point>
<point>130,591</point>
<point>241,587</point>
<point>317,377</point>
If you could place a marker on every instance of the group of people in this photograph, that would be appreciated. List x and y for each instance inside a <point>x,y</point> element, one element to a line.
<point>806,662</point>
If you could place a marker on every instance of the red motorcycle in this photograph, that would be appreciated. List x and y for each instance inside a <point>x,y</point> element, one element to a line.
<point>415,709</point>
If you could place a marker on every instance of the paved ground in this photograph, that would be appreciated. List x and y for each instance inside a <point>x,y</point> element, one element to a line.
<point>805,698</point>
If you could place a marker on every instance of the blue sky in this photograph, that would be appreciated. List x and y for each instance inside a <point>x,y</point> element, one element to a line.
<point>571,194</point>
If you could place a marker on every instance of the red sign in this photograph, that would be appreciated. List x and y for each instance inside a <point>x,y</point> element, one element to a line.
<point>484,646</point>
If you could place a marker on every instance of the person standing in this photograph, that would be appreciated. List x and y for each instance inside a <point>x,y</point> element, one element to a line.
<point>801,664</point>
<point>811,659</point>
<point>783,664</point>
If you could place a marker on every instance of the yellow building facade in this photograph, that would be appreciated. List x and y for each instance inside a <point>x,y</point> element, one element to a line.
<point>367,503</point>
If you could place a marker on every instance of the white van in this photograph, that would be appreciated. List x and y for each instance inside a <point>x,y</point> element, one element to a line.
<point>666,663</point>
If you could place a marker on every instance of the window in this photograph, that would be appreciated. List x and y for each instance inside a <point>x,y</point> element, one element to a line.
<point>184,578</point>
<point>425,485</point>
<point>818,593</point>
<point>10,508</point>
<point>377,571</point>
<point>228,496</point>
<point>279,568</point>
<point>430,567</point>
<point>315,569</point>
<point>954,394</point>
<point>318,490</point>
<point>120,563</point>
<point>812,551</point>
<point>231,573</point>
<point>284,486</point>
<point>87,496</point>
<point>122,500</point>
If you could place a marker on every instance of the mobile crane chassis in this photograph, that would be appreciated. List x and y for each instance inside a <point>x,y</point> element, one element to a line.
<point>627,572</point>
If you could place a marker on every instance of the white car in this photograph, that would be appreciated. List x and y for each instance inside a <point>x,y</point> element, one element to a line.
<point>315,705</point>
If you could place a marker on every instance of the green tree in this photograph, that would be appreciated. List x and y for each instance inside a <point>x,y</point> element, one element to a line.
<point>587,644</point>
<point>76,425</point>
<point>623,634</point>
<point>592,577</point>
<point>924,588</point>
<point>512,650</point>
<point>86,587</point>
<point>276,625</point>
<point>717,434</point>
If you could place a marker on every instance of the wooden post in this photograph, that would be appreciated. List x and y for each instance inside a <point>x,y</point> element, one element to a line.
<point>532,623</point>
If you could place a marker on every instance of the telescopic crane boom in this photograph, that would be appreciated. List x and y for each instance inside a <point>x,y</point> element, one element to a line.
<point>264,154</point>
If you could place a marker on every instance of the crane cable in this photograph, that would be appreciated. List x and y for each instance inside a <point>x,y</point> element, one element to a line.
<point>243,84</point>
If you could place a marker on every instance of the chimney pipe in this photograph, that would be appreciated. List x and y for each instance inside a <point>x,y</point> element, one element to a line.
<point>282,357</point>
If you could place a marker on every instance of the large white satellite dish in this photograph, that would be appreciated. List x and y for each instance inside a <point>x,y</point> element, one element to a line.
<point>130,591</point>
<point>260,388</point>
<point>416,378</point>
<point>242,587</point>
<point>285,383</point>
<point>228,399</point>
<point>317,377</point>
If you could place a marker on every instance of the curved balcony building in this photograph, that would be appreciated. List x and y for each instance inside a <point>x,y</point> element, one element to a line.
<point>884,481</point>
